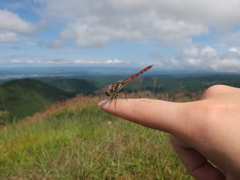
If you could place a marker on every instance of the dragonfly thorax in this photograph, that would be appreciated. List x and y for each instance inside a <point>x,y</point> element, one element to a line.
<point>107,93</point>
<point>113,88</point>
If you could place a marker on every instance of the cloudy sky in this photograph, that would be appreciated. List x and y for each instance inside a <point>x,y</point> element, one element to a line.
<point>180,34</point>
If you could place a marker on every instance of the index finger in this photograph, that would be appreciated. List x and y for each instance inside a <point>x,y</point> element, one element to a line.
<point>162,115</point>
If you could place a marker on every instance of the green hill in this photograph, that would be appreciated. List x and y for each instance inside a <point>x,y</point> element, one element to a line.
<point>21,98</point>
<point>74,85</point>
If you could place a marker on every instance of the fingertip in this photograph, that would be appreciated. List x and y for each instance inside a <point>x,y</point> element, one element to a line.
<point>103,104</point>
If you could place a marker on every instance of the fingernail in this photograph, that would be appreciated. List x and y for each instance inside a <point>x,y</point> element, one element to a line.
<point>103,103</point>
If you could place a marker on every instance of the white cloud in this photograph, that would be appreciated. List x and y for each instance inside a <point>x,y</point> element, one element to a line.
<point>11,24</point>
<point>208,52</point>
<point>190,51</point>
<point>39,43</point>
<point>86,62</point>
<point>35,62</point>
<point>98,31</point>
<point>56,61</point>
<point>8,36</point>
<point>115,61</point>
<point>31,62</point>
<point>15,61</point>
<point>96,23</point>
<point>207,58</point>
<point>234,50</point>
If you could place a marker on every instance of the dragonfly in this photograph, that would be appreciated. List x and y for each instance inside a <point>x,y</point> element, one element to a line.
<point>112,90</point>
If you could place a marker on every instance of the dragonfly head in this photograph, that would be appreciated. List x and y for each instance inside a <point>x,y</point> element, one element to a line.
<point>107,93</point>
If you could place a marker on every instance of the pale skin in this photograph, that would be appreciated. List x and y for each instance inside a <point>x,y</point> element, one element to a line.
<point>201,131</point>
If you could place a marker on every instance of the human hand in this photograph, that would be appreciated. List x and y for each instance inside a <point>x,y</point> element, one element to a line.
<point>208,129</point>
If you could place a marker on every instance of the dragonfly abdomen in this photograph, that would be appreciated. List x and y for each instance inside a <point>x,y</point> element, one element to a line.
<point>137,74</point>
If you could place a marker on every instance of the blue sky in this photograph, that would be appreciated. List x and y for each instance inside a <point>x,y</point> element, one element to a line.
<point>173,34</point>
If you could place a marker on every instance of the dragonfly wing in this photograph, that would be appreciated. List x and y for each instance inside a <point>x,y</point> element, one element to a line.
<point>102,90</point>
<point>99,91</point>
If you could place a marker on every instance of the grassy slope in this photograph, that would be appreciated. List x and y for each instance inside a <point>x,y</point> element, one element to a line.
<point>79,141</point>
<point>27,96</point>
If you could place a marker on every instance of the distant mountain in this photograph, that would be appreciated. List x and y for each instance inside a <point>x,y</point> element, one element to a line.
<point>74,85</point>
<point>21,98</point>
<point>11,73</point>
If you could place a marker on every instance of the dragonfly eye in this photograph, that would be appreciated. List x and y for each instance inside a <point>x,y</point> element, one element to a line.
<point>107,93</point>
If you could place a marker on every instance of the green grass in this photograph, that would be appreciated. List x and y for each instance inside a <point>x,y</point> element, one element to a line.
<point>86,143</point>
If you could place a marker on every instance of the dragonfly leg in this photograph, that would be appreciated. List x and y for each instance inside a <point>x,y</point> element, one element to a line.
<point>125,93</point>
<point>110,101</point>
<point>114,97</point>
<point>115,102</point>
